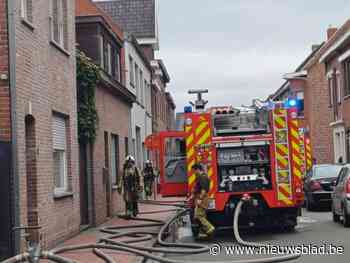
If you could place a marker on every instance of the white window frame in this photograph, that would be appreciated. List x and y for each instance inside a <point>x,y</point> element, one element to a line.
<point>117,67</point>
<point>137,82</point>
<point>109,58</point>
<point>63,150</point>
<point>338,88</point>
<point>102,53</point>
<point>60,23</point>
<point>24,9</point>
<point>141,88</point>
<point>131,73</point>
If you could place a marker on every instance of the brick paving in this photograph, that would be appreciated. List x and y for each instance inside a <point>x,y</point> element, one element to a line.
<point>93,234</point>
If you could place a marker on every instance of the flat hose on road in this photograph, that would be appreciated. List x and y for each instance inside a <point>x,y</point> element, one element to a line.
<point>109,242</point>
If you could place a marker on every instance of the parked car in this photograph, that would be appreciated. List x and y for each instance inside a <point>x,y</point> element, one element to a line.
<point>319,185</point>
<point>341,197</point>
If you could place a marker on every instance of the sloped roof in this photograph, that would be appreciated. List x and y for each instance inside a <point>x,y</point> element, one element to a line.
<point>87,8</point>
<point>135,16</point>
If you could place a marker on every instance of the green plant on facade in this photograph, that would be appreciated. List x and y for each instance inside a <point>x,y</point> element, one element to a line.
<point>88,76</point>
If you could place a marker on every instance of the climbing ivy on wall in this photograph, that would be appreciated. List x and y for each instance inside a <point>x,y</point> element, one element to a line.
<point>88,76</point>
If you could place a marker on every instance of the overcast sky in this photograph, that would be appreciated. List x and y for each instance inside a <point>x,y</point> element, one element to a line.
<point>239,49</point>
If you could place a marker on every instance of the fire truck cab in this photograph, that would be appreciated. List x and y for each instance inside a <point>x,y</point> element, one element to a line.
<point>245,150</point>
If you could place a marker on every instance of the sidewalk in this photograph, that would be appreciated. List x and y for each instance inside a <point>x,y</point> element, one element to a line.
<point>93,234</point>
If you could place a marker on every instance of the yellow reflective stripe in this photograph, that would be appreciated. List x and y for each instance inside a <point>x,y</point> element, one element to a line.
<point>189,140</point>
<point>191,179</point>
<point>297,160</point>
<point>281,121</point>
<point>295,134</point>
<point>189,166</point>
<point>188,128</point>
<point>190,152</point>
<point>283,148</point>
<point>282,159</point>
<point>297,172</point>
<point>201,127</point>
<point>204,137</point>
<point>296,146</point>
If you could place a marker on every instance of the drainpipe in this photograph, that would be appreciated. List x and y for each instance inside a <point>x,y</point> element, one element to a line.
<point>11,12</point>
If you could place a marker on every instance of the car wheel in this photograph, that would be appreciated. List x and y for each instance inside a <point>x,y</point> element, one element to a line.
<point>346,218</point>
<point>336,218</point>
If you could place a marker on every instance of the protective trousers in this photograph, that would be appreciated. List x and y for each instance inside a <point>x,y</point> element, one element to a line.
<point>205,226</point>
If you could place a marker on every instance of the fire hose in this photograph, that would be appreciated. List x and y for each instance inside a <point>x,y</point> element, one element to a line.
<point>109,242</point>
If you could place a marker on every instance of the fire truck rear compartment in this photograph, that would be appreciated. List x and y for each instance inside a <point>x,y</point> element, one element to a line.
<point>257,215</point>
<point>244,168</point>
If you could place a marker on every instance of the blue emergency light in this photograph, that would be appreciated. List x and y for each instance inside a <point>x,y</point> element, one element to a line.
<point>187,109</point>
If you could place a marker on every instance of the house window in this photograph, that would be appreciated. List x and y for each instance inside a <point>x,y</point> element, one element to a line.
<point>131,71</point>
<point>330,90</point>
<point>141,88</point>
<point>347,77</point>
<point>114,159</point>
<point>300,97</point>
<point>102,55</point>
<point>59,135</point>
<point>117,66</point>
<point>137,82</point>
<point>109,59</point>
<point>59,22</point>
<point>27,10</point>
<point>338,88</point>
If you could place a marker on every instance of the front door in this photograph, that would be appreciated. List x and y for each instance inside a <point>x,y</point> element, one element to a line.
<point>5,215</point>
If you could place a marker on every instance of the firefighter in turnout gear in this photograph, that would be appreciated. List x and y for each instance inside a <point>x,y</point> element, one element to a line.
<point>201,202</point>
<point>148,178</point>
<point>130,186</point>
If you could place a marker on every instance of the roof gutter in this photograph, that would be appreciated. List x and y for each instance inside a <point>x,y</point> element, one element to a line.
<point>11,11</point>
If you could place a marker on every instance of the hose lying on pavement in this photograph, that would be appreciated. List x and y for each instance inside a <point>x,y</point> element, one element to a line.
<point>109,242</point>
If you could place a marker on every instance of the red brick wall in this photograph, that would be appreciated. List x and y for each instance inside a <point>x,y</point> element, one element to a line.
<point>113,118</point>
<point>318,114</point>
<point>5,123</point>
<point>45,82</point>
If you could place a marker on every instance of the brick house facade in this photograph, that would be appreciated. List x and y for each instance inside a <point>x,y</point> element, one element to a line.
<point>336,59</point>
<point>102,40</point>
<point>160,79</point>
<point>44,124</point>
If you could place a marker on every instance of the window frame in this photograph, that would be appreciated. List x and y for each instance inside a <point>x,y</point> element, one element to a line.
<point>109,69</point>
<point>61,28</point>
<point>63,150</point>
<point>102,52</point>
<point>131,71</point>
<point>346,77</point>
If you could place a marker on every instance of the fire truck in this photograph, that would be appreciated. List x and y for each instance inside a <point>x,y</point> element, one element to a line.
<point>258,150</point>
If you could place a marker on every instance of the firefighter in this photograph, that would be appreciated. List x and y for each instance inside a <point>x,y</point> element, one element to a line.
<point>200,201</point>
<point>130,186</point>
<point>148,178</point>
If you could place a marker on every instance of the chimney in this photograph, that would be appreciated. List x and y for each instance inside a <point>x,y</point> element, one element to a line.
<point>330,31</point>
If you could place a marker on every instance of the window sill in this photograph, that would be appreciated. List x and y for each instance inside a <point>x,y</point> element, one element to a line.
<point>60,48</point>
<point>346,97</point>
<point>114,187</point>
<point>27,23</point>
<point>62,195</point>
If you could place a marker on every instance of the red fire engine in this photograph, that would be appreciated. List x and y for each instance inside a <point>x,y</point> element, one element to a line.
<point>259,151</point>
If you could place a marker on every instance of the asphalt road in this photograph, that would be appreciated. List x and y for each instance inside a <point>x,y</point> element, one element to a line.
<point>314,229</point>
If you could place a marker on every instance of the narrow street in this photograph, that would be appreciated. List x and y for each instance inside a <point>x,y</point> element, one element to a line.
<point>315,228</point>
